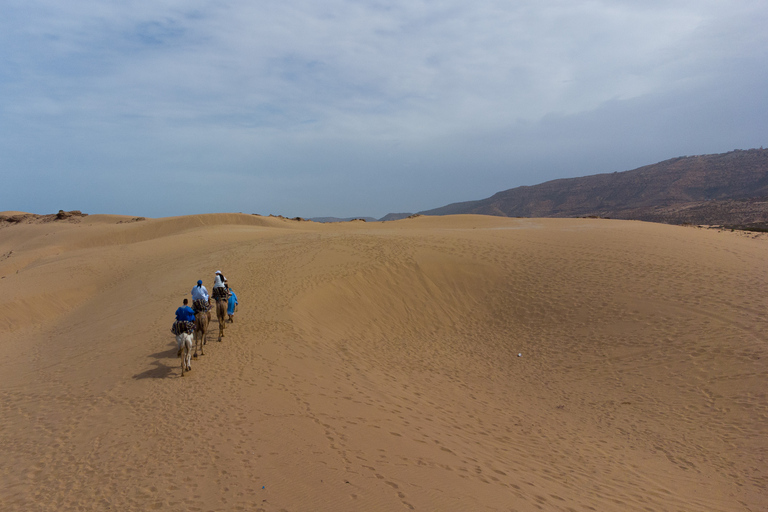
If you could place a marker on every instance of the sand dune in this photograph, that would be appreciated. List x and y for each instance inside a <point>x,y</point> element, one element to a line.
<point>374,366</point>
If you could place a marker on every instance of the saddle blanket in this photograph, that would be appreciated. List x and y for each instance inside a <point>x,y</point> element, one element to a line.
<point>200,305</point>
<point>183,327</point>
<point>220,293</point>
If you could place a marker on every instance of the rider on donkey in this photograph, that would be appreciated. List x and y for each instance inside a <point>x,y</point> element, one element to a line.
<point>185,323</point>
<point>185,313</point>
<point>220,295</point>
<point>219,291</point>
<point>200,297</point>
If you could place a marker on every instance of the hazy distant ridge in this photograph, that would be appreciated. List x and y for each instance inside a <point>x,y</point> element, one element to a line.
<point>721,188</point>
<point>339,219</point>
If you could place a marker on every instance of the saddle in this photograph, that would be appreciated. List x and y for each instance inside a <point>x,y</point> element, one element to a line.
<point>220,293</point>
<point>183,327</point>
<point>200,305</point>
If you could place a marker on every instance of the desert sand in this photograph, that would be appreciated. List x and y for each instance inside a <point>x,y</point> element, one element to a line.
<point>461,363</point>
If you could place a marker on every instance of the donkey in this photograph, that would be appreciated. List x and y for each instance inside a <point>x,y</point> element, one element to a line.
<point>221,314</point>
<point>220,295</point>
<point>201,330</point>
<point>185,341</point>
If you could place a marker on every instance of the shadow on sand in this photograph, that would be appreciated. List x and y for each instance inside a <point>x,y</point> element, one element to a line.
<point>160,370</point>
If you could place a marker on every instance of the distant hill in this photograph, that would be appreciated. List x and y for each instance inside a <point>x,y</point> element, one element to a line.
<point>728,188</point>
<point>389,216</point>
<point>395,216</point>
<point>337,219</point>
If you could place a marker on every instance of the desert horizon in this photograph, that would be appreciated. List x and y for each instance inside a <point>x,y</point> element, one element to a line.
<point>463,362</point>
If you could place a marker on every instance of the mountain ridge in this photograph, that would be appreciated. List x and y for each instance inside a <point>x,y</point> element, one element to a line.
<point>719,188</point>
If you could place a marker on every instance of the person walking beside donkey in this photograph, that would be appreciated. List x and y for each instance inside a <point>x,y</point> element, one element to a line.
<point>231,303</point>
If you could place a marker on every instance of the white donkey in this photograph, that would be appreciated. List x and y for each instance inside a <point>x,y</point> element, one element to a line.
<point>185,341</point>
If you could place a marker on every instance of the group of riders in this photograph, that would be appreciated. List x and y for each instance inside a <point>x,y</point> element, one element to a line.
<point>201,303</point>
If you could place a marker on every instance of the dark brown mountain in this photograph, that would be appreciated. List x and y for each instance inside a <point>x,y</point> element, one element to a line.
<point>723,189</point>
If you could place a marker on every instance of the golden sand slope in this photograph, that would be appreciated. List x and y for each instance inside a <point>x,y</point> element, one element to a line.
<point>375,366</point>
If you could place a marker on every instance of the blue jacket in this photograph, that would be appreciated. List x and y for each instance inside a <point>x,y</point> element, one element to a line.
<point>185,314</point>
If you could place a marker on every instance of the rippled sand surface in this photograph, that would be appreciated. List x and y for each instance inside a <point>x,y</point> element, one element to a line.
<point>437,363</point>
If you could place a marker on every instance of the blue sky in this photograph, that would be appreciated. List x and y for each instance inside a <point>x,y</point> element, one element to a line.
<point>351,108</point>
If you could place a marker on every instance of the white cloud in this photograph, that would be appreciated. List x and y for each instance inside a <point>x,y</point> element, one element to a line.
<point>294,88</point>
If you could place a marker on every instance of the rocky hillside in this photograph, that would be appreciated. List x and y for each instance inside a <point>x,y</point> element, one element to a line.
<point>728,188</point>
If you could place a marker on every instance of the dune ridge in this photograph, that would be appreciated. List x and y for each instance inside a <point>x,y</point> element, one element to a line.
<point>374,366</point>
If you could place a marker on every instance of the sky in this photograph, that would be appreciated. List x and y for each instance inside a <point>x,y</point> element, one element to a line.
<point>345,108</point>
